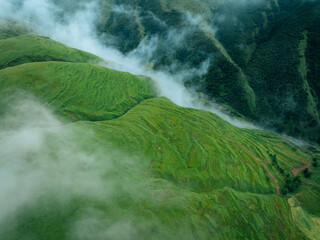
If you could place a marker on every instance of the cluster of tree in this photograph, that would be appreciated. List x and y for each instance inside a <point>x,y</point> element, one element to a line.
<point>306,173</point>
<point>292,184</point>
<point>275,163</point>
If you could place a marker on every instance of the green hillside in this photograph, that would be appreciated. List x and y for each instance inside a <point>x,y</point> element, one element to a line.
<point>136,166</point>
<point>197,145</point>
<point>29,48</point>
<point>78,91</point>
<point>190,175</point>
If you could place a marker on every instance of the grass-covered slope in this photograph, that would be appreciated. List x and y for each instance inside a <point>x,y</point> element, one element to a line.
<point>196,145</point>
<point>78,90</point>
<point>140,167</point>
<point>225,178</point>
<point>163,172</point>
<point>30,48</point>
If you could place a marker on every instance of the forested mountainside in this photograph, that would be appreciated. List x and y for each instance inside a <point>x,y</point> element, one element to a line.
<point>264,59</point>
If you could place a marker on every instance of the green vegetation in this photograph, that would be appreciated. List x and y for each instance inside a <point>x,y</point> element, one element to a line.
<point>29,48</point>
<point>264,54</point>
<point>193,175</point>
<point>315,162</point>
<point>78,91</point>
<point>183,149</point>
<point>308,225</point>
<point>275,162</point>
<point>306,173</point>
<point>292,184</point>
<point>136,166</point>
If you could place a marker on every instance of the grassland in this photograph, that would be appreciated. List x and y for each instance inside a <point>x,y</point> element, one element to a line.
<point>136,166</point>
<point>30,48</point>
<point>196,145</point>
<point>79,91</point>
<point>190,175</point>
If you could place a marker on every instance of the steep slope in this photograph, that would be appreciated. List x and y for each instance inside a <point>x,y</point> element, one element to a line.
<point>281,71</point>
<point>263,54</point>
<point>78,91</point>
<point>180,36</point>
<point>201,153</point>
<point>29,48</point>
<point>190,175</point>
<point>197,145</point>
<point>140,167</point>
<point>189,34</point>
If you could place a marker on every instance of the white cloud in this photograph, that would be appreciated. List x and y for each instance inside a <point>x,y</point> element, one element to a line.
<point>78,30</point>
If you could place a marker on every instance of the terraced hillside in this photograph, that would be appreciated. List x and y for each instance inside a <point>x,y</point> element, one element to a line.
<point>64,85</point>
<point>208,158</point>
<point>136,166</point>
<point>30,48</point>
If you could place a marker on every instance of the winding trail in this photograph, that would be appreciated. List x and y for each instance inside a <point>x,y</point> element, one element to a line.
<point>273,179</point>
<point>297,169</point>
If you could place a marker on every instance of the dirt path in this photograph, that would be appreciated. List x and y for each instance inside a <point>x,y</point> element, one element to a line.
<point>297,169</point>
<point>273,179</point>
<point>311,183</point>
<point>73,116</point>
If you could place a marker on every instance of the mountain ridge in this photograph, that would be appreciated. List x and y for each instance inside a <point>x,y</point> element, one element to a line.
<point>254,49</point>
